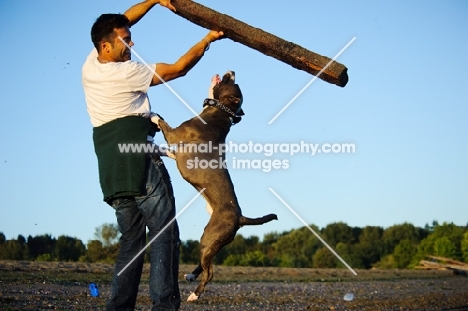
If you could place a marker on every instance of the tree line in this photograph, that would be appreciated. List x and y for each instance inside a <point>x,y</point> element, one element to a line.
<point>399,246</point>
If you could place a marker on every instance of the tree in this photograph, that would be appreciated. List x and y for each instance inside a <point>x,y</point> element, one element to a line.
<point>21,240</point>
<point>40,244</point>
<point>369,249</point>
<point>324,258</point>
<point>464,247</point>
<point>239,246</point>
<point>252,259</point>
<point>12,250</point>
<point>444,247</point>
<point>335,233</point>
<point>190,252</point>
<point>108,234</point>
<point>450,245</point>
<point>296,248</point>
<point>269,247</point>
<point>69,249</point>
<point>350,255</point>
<point>393,235</point>
<point>404,253</point>
<point>94,252</point>
<point>255,259</point>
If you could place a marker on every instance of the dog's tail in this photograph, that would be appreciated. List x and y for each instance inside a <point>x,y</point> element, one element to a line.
<point>245,221</point>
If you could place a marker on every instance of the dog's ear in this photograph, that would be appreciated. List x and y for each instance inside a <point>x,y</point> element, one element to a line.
<point>237,101</point>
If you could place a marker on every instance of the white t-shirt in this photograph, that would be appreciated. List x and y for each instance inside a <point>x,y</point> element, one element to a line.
<point>116,89</point>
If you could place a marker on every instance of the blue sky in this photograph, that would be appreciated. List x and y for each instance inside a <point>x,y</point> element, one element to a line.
<point>404,108</point>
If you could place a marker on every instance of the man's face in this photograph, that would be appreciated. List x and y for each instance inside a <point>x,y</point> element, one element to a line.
<point>119,50</point>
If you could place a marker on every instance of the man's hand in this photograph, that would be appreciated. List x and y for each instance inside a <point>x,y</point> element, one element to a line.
<point>214,35</point>
<point>214,81</point>
<point>166,4</point>
<point>136,12</point>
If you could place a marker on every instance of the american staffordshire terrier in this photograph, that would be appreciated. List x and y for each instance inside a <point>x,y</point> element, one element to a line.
<point>220,112</point>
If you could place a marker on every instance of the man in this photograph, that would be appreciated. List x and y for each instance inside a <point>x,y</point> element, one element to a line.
<point>136,185</point>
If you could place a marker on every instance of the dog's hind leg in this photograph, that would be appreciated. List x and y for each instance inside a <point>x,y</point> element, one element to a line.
<point>191,277</point>
<point>206,265</point>
<point>216,236</point>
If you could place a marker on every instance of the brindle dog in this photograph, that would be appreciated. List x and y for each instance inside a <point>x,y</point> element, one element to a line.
<point>219,113</point>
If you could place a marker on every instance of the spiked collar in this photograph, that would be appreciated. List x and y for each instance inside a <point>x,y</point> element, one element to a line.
<point>216,103</point>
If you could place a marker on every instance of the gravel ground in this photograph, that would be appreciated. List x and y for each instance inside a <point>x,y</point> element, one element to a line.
<point>64,286</point>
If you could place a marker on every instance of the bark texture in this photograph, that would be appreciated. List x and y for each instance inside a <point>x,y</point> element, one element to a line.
<point>264,42</point>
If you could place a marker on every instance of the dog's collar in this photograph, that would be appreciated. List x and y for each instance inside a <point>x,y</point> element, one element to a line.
<point>215,103</point>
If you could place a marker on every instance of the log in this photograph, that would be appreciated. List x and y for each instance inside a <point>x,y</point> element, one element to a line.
<point>264,42</point>
<point>448,260</point>
<point>436,265</point>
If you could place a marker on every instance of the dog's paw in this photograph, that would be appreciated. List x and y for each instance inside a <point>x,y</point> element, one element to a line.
<point>171,154</point>
<point>190,277</point>
<point>192,297</point>
<point>155,118</point>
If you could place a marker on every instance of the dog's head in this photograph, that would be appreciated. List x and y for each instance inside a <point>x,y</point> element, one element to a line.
<point>228,93</point>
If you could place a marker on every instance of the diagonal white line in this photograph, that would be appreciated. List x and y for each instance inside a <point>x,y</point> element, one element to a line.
<point>310,82</point>
<point>312,230</point>
<point>164,82</point>
<point>162,230</point>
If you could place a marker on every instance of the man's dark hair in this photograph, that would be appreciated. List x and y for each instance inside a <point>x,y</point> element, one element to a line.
<point>103,28</point>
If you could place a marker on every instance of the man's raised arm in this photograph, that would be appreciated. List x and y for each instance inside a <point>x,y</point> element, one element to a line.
<point>136,12</point>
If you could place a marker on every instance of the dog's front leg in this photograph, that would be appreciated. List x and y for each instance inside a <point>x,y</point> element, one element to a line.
<point>164,127</point>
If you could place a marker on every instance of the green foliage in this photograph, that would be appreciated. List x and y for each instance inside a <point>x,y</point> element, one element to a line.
<point>444,247</point>
<point>44,257</point>
<point>399,246</point>
<point>445,240</point>
<point>190,252</point>
<point>324,258</point>
<point>21,240</point>
<point>108,234</point>
<point>269,247</point>
<point>370,248</point>
<point>297,248</point>
<point>393,235</point>
<point>69,249</point>
<point>386,262</point>
<point>253,259</point>
<point>110,253</point>
<point>464,247</point>
<point>12,250</point>
<point>237,248</point>
<point>339,232</point>
<point>404,253</point>
<point>105,246</point>
<point>41,244</point>
<point>349,253</point>
<point>94,253</point>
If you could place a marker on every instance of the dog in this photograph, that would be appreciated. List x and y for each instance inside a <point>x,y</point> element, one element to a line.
<point>219,112</point>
